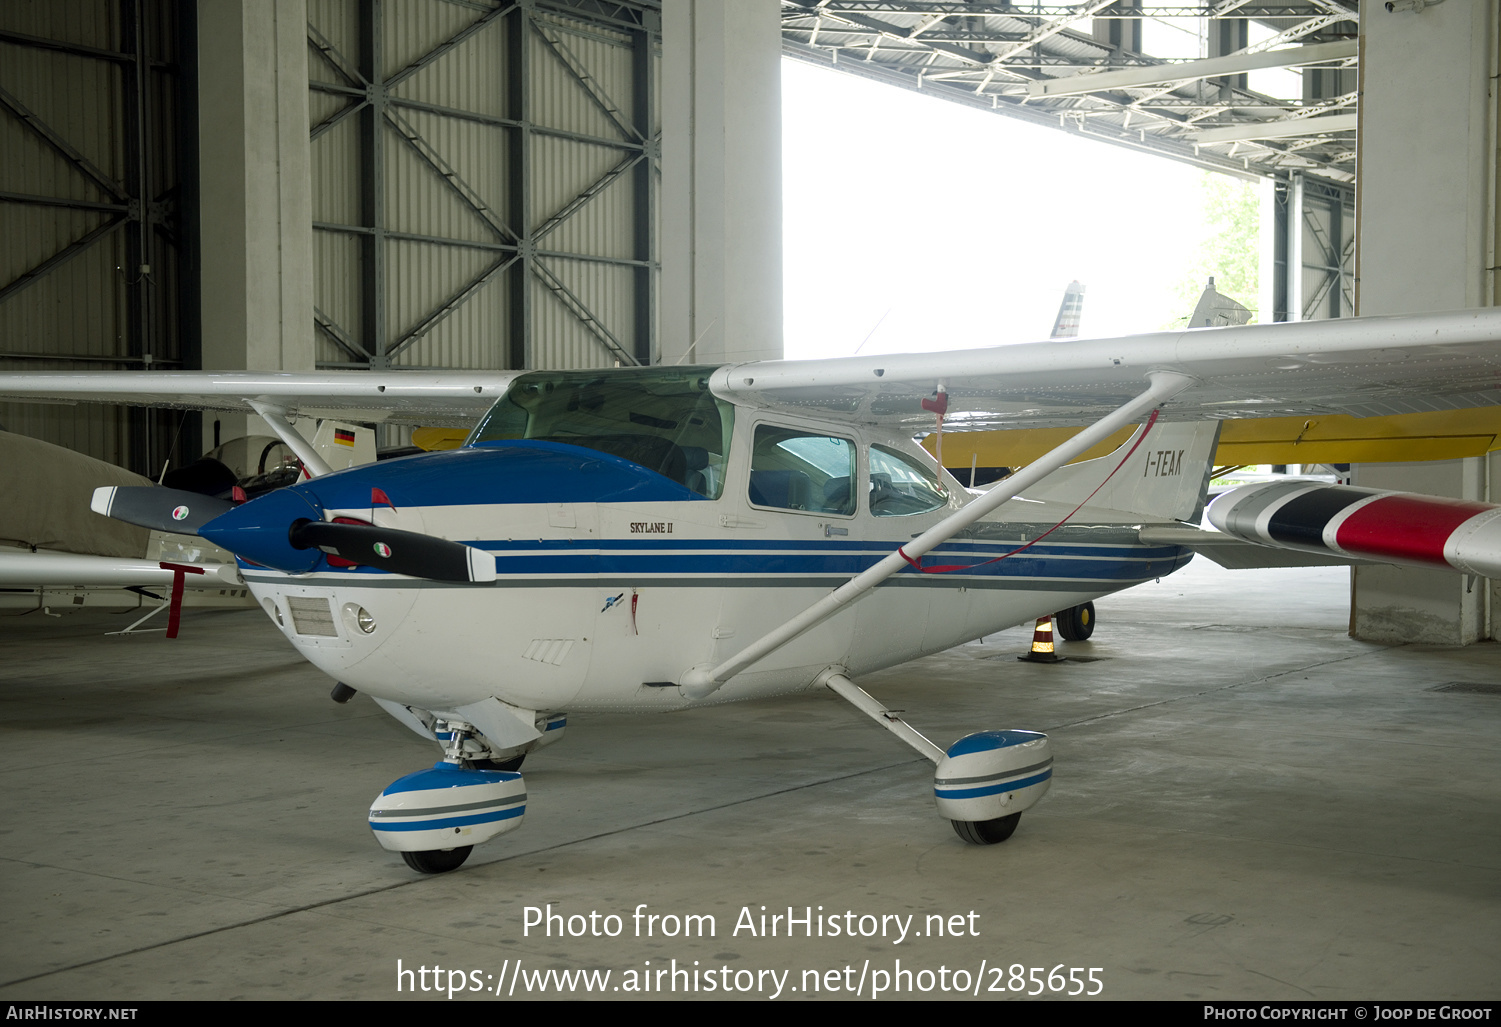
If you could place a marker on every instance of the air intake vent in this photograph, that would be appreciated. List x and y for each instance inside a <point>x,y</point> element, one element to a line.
<point>548,650</point>
<point>312,616</point>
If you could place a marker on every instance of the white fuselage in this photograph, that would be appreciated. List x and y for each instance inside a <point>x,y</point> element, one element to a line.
<point>604,606</point>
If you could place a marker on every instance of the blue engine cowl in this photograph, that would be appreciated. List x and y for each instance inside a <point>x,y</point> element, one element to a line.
<point>492,473</point>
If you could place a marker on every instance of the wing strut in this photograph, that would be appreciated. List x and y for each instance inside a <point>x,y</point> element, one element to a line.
<point>702,681</point>
<point>281,423</point>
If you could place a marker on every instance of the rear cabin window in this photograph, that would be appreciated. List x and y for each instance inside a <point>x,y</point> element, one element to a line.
<point>664,419</point>
<point>800,470</point>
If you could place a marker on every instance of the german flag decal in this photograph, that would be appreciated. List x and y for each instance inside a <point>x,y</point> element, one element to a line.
<point>343,436</point>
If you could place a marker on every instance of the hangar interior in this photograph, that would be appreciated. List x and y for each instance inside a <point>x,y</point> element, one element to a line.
<point>481,185</point>
<point>551,184</point>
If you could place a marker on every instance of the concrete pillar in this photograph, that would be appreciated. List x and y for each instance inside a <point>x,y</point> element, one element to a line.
<point>1424,214</point>
<point>255,186</point>
<point>1403,604</point>
<point>721,244</point>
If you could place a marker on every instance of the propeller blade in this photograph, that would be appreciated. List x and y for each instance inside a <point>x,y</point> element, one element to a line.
<point>151,506</point>
<point>400,552</point>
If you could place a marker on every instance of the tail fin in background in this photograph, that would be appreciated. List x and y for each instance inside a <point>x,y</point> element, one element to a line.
<point>1067,325</point>
<point>1216,310</point>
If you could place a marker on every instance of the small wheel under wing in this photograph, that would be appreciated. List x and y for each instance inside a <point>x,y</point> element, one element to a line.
<point>985,832</point>
<point>1076,623</point>
<point>437,861</point>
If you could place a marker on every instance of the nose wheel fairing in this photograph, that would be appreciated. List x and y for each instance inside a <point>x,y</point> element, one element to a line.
<point>436,816</point>
<point>445,808</point>
<point>986,779</point>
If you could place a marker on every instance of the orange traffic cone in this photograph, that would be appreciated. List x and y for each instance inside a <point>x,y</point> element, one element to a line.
<point>1042,644</point>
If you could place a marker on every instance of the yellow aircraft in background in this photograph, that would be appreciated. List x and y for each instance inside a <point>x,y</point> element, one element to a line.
<point>1317,439</point>
<point>1324,439</point>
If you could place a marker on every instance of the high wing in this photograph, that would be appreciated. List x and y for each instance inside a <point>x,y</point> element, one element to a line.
<point>1363,367</point>
<point>399,397</point>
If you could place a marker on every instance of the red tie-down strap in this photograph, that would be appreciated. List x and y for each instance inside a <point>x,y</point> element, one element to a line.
<point>917,564</point>
<point>179,572</point>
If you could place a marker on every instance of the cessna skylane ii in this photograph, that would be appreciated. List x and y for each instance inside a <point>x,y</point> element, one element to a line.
<point>650,538</point>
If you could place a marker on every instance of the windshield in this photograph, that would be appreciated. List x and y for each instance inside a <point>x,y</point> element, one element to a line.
<point>663,418</point>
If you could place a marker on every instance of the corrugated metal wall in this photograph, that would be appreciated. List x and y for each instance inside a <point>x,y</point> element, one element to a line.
<point>484,183</point>
<point>1326,223</point>
<point>89,211</point>
<point>484,193</point>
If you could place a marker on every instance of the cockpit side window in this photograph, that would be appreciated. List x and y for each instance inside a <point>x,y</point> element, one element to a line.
<point>802,470</point>
<point>900,486</point>
<point>665,419</point>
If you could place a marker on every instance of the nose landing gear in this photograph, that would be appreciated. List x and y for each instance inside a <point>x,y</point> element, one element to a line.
<point>435,817</point>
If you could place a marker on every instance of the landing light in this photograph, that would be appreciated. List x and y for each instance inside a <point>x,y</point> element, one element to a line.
<point>359,617</point>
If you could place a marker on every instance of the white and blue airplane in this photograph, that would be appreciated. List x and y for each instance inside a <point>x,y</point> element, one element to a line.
<point>651,538</point>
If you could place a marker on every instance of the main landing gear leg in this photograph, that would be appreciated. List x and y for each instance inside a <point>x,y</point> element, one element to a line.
<point>435,817</point>
<point>983,782</point>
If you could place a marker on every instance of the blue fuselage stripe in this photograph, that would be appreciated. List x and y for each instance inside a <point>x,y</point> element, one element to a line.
<point>1078,564</point>
<point>877,547</point>
<point>767,569</point>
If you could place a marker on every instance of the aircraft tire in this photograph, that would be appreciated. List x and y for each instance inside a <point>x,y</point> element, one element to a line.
<point>1076,623</point>
<point>985,832</point>
<point>437,861</point>
<point>513,764</point>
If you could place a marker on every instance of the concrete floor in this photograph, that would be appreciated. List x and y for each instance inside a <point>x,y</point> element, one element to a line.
<point>1247,805</point>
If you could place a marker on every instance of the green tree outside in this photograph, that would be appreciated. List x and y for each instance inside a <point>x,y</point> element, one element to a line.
<point>1230,248</point>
